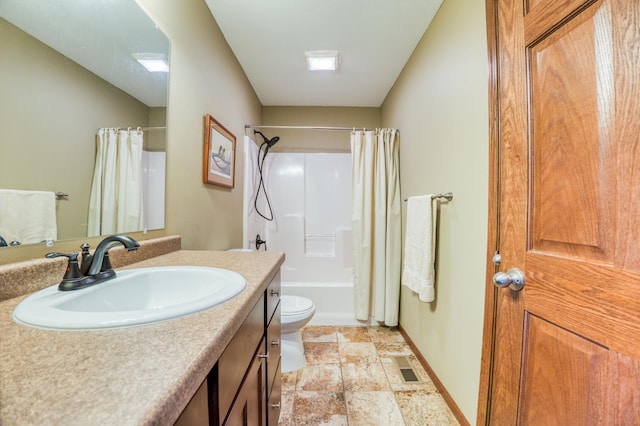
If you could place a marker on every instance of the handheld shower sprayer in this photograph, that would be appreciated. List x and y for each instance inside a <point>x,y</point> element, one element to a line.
<point>267,143</point>
<point>270,142</point>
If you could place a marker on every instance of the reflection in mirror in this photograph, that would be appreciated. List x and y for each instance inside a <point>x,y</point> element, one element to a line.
<point>68,70</point>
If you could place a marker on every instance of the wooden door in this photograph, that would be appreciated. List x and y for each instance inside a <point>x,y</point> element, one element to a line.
<point>564,350</point>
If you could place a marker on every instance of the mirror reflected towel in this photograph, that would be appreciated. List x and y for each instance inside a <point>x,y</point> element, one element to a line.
<point>27,216</point>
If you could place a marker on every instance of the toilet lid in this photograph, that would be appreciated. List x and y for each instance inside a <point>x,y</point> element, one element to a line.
<point>293,305</point>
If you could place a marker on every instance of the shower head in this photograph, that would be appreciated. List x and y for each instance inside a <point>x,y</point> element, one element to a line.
<point>270,142</point>
<point>273,141</point>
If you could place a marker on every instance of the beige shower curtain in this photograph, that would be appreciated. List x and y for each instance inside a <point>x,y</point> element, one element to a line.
<point>115,205</point>
<point>376,220</point>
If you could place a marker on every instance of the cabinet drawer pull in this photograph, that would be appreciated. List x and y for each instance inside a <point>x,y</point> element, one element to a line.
<point>275,343</point>
<point>275,406</point>
<point>263,356</point>
<point>275,292</point>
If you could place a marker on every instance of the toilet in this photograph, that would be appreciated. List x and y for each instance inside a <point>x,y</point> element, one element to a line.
<point>296,312</point>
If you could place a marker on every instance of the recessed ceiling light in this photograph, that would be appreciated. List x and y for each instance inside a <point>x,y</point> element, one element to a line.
<point>153,62</point>
<point>322,60</point>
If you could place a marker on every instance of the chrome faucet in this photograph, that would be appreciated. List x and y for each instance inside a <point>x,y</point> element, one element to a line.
<point>96,268</point>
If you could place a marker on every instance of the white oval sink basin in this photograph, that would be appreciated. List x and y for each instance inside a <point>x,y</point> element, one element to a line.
<point>133,297</point>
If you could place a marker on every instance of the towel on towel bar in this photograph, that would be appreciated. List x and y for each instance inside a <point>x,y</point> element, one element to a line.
<point>27,216</point>
<point>418,272</point>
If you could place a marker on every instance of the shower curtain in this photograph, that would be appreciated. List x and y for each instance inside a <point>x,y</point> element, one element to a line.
<point>115,204</point>
<point>376,218</point>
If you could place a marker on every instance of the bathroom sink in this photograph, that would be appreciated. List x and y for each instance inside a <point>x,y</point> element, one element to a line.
<point>133,297</point>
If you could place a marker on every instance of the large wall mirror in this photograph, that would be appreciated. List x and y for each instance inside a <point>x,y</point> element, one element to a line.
<point>70,68</point>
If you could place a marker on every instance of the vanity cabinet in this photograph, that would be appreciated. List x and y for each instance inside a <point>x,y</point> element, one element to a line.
<point>196,412</point>
<point>244,385</point>
<point>273,350</point>
<point>248,406</point>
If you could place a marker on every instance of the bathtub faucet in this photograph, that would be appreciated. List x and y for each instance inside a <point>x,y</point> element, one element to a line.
<point>259,242</point>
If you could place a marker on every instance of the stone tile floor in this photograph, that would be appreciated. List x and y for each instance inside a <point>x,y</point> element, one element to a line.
<point>352,379</point>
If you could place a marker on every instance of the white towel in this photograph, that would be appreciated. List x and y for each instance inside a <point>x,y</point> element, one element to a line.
<point>27,216</point>
<point>418,272</point>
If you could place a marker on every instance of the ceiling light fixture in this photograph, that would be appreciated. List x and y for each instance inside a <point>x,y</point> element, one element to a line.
<point>322,60</point>
<point>153,62</point>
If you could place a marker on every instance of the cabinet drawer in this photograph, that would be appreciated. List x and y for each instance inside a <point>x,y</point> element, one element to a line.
<point>273,348</point>
<point>237,357</point>
<point>272,298</point>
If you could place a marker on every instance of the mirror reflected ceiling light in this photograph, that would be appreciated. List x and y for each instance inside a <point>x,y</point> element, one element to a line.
<point>152,62</point>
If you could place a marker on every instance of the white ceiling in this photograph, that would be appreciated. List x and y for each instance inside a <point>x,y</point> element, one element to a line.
<point>375,39</point>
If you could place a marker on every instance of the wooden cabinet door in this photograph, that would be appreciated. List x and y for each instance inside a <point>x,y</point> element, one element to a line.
<point>248,409</point>
<point>274,400</point>
<point>565,348</point>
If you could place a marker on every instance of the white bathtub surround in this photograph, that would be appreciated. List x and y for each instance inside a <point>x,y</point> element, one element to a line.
<point>376,224</point>
<point>418,272</point>
<point>153,184</point>
<point>253,224</point>
<point>333,301</point>
<point>311,198</point>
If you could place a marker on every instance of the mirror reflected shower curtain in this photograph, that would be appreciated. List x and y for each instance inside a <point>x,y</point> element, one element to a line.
<point>115,204</point>
<point>376,218</point>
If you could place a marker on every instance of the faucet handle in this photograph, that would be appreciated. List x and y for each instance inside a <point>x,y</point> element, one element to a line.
<point>73,271</point>
<point>86,258</point>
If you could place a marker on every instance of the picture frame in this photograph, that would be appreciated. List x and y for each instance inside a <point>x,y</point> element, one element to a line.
<point>219,165</point>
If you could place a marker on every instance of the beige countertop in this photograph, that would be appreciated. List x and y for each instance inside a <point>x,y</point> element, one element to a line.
<point>128,376</point>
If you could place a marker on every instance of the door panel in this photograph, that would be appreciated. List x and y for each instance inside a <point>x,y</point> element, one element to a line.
<point>552,352</point>
<point>565,350</point>
<point>571,121</point>
<point>627,131</point>
<point>624,398</point>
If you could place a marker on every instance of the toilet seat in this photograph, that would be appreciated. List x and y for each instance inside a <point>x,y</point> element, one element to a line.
<point>295,305</point>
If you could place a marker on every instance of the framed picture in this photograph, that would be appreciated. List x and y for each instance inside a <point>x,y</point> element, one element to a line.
<point>219,154</point>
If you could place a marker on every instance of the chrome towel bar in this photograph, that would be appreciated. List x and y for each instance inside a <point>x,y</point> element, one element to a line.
<point>447,196</point>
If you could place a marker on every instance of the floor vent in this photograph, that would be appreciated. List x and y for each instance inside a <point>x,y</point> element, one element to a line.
<point>405,369</point>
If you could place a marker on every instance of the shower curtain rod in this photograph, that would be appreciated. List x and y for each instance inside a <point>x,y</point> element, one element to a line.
<point>250,126</point>
<point>154,128</point>
<point>143,128</point>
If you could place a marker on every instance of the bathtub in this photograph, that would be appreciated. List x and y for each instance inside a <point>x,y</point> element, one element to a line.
<point>333,301</point>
